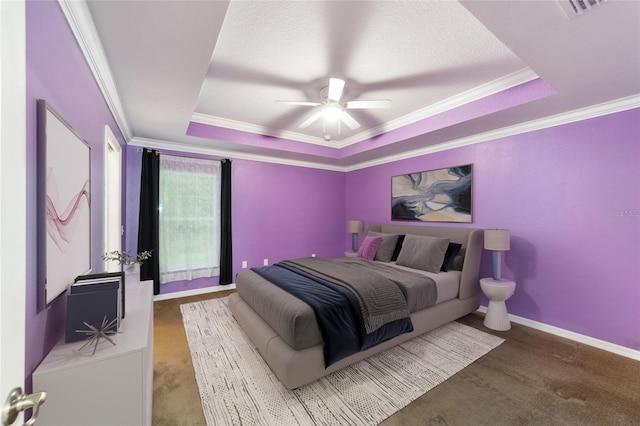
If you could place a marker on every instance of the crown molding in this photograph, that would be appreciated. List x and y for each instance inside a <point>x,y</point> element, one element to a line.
<point>254,128</point>
<point>599,110</point>
<point>514,79</point>
<point>509,81</point>
<point>80,21</point>
<point>193,149</point>
<point>594,111</point>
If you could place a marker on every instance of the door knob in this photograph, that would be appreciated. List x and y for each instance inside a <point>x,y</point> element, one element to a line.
<point>17,402</point>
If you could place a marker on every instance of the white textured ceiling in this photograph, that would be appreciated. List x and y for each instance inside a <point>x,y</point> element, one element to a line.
<point>215,69</point>
<point>383,50</point>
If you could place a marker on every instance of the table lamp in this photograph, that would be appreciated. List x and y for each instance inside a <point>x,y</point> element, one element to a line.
<point>355,227</point>
<point>497,240</point>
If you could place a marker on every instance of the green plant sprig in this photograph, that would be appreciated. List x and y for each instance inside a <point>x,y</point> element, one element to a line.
<point>125,258</point>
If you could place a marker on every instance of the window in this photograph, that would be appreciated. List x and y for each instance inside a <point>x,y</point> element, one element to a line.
<point>189,218</point>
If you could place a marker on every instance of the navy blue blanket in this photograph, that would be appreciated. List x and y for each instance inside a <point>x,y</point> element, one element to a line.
<point>337,312</point>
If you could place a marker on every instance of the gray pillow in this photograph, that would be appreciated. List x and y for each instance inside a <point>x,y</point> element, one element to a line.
<point>387,246</point>
<point>423,252</point>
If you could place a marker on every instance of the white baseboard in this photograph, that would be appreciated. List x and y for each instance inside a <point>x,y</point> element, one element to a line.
<point>195,292</point>
<point>581,338</point>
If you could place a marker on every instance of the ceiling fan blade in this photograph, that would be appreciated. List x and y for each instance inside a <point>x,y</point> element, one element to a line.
<point>336,86</point>
<point>306,123</point>
<point>303,103</point>
<point>377,104</point>
<point>349,120</point>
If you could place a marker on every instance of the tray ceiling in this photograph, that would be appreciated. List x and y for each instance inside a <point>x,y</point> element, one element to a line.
<point>208,74</point>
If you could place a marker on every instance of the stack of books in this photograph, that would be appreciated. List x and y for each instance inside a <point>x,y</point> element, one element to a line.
<point>94,300</point>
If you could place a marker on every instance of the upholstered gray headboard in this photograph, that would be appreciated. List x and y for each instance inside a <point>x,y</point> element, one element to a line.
<point>470,238</point>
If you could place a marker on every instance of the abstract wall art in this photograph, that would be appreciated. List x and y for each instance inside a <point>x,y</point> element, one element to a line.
<point>442,195</point>
<point>64,203</point>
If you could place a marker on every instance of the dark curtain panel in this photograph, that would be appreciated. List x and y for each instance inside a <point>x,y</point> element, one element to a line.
<point>148,220</point>
<point>226,259</point>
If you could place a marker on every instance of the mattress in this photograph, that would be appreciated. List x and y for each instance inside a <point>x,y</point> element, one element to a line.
<point>447,283</point>
<point>295,321</point>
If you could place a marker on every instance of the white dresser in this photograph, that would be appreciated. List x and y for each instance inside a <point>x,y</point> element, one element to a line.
<point>112,387</point>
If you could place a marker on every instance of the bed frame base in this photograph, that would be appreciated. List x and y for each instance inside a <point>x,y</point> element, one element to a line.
<point>297,368</point>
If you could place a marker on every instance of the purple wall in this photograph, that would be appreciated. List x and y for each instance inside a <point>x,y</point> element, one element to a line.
<point>58,73</point>
<point>570,197</point>
<point>278,211</point>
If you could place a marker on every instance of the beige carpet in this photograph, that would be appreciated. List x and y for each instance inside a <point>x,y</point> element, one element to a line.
<point>237,387</point>
<point>533,378</point>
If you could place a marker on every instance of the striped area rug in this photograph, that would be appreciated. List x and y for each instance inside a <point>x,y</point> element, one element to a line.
<point>238,388</point>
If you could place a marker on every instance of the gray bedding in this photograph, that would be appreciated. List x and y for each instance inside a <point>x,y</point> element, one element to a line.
<point>380,302</point>
<point>295,321</point>
<point>289,316</point>
<point>421,290</point>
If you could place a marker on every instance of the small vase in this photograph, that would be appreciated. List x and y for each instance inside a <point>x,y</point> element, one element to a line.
<point>132,268</point>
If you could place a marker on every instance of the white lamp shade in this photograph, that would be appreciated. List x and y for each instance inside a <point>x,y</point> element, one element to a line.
<point>497,239</point>
<point>355,226</point>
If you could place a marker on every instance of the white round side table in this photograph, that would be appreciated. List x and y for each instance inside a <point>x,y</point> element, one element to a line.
<point>497,291</point>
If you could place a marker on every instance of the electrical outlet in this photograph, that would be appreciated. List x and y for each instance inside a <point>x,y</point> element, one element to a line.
<point>313,255</point>
<point>244,264</point>
<point>266,262</point>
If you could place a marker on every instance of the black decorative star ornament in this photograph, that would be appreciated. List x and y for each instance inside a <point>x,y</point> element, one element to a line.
<point>94,334</point>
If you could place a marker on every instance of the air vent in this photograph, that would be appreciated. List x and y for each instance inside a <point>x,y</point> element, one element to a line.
<point>573,8</point>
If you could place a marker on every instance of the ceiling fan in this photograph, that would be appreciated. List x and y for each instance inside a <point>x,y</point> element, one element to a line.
<point>333,108</point>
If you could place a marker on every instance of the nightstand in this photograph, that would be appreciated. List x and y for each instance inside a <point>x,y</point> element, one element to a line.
<point>497,291</point>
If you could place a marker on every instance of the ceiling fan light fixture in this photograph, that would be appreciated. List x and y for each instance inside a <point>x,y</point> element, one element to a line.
<point>331,112</point>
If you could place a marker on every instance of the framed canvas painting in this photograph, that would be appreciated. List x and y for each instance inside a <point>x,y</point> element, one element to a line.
<point>64,198</point>
<point>442,195</point>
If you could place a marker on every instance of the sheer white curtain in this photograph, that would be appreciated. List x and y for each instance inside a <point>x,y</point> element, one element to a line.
<point>189,218</point>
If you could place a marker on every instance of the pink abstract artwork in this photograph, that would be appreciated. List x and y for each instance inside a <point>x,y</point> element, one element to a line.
<point>63,225</point>
<point>65,197</point>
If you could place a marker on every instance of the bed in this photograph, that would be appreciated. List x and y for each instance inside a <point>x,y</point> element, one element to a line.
<point>285,329</point>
